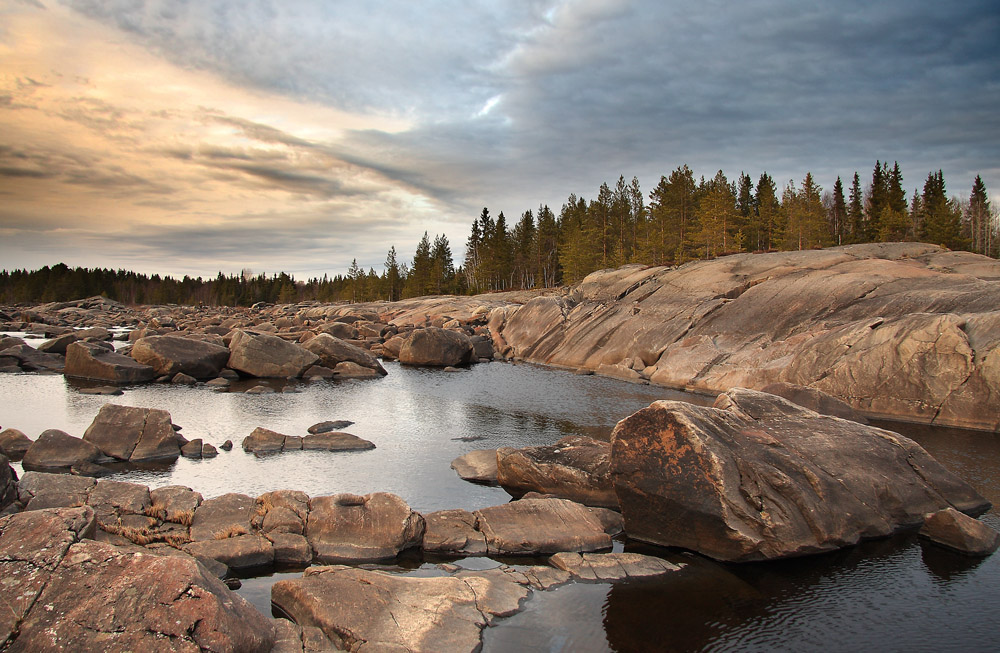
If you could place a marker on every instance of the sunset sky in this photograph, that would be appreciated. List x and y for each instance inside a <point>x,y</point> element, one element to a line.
<point>192,137</point>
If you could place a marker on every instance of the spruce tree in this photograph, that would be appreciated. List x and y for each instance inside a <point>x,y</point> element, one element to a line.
<point>838,213</point>
<point>855,212</point>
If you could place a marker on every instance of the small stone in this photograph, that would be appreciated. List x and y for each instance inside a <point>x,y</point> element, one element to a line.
<point>227,445</point>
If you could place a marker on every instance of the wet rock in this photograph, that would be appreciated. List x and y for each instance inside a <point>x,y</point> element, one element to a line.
<point>86,360</point>
<point>262,440</point>
<point>219,383</point>
<point>14,444</point>
<point>477,466</point>
<point>225,516</point>
<point>611,566</point>
<point>55,449</point>
<point>351,370</point>
<point>436,347</point>
<point>183,379</point>
<point>576,467</point>
<point>374,610</point>
<point>959,532</point>
<point>208,451</point>
<point>227,445</point>
<point>172,355</point>
<point>326,427</point>
<point>319,372</point>
<point>758,477</point>
<point>260,390</point>
<point>335,441</point>
<point>352,528</point>
<point>541,526</point>
<point>333,351</point>
<point>453,532</point>
<point>133,434</point>
<point>238,552</point>
<point>265,355</point>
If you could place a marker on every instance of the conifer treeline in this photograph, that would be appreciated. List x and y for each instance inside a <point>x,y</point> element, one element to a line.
<point>683,220</point>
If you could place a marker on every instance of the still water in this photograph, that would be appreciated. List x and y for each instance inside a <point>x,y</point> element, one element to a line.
<point>890,595</point>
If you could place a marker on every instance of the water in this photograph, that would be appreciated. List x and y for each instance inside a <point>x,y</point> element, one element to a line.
<point>895,594</point>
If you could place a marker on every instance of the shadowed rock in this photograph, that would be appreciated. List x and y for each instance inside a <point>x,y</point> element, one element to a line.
<point>55,449</point>
<point>332,351</point>
<point>815,400</point>
<point>172,355</point>
<point>86,360</point>
<point>576,467</point>
<point>14,444</point>
<point>758,477</point>
<point>8,483</point>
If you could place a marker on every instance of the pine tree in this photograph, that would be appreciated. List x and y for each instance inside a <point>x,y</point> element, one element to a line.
<point>354,274</point>
<point>473,254</point>
<point>547,246</point>
<point>941,224</point>
<point>393,282</point>
<point>420,280</point>
<point>876,201</point>
<point>672,214</point>
<point>979,219</point>
<point>838,213</point>
<point>525,261</point>
<point>770,218</point>
<point>855,213</point>
<point>716,214</point>
<point>639,222</point>
<point>443,267</point>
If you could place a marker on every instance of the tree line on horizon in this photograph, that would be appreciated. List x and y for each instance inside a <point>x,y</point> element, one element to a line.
<point>684,220</point>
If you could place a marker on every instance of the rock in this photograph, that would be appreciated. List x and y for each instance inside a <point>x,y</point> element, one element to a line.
<point>758,477</point>
<point>260,390</point>
<point>326,427</point>
<point>576,467</point>
<point>265,355</point>
<point>183,379</point>
<point>31,360</point>
<point>239,552</point>
<point>81,595</point>
<point>40,490</point>
<point>133,434</point>
<point>477,466</point>
<point>102,390</point>
<point>959,532</point>
<point>55,449</point>
<point>815,400</point>
<point>335,441</point>
<point>436,347</point>
<point>222,517</point>
<point>174,503</point>
<point>541,526</point>
<point>227,445</point>
<point>611,566</point>
<point>333,351</point>
<point>192,449</point>
<point>263,440</point>
<point>86,360</point>
<point>8,484</point>
<point>58,344</point>
<point>378,611</point>
<point>282,511</point>
<point>290,549</point>
<point>172,355</point>
<point>14,444</point>
<point>341,331</point>
<point>352,528</point>
<point>318,372</point>
<point>113,499</point>
<point>351,370</point>
<point>453,532</point>
<point>218,382</point>
<point>208,451</point>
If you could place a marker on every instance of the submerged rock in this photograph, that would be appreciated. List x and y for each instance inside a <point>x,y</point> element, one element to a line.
<point>758,477</point>
<point>611,566</point>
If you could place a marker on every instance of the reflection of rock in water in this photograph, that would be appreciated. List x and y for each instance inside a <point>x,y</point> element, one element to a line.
<point>947,565</point>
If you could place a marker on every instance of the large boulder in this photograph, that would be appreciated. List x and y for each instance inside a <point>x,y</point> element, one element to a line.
<point>436,347</point>
<point>172,355</point>
<point>30,359</point>
<point>266,355</point>
<point>333,351</point>
<point>87,360</point>
<point>133,434</point>
<point>815,400</point>
<point>55,449</point>
<point>14,444</point>
<point>373,610</point>
<point>576,467</point>
<point>757,477</point>
<point>352,528</point>
<point>541,526</point>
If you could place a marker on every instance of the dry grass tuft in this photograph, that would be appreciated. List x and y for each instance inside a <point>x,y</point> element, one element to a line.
<point>233,531</point>
<point>144,536</point>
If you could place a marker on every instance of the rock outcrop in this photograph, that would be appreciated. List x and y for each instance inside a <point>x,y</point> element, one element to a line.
<point>959,532</point>
<point>541,526</point>
<point>758,477</point>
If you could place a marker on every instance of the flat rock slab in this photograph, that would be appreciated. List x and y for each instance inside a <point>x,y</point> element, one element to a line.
<point>335,441</point>
<point>453,532</point>
<point>541,526</point>
<point>477,466</point>
<point>38,490</point>
<point>329,425</point>
<point>576,467</point>
<point>353,528</point>
<point>758,477</point>
<point>960,533</point>
<point>611,566</point>
<point>372,610</point>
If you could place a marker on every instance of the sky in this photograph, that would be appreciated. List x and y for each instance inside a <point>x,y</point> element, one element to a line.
<point>189,137</point>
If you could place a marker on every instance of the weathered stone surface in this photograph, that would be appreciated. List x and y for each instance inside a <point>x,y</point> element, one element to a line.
<point>611,566</point>
<point>239,552</point>
<point>263,440</point>
<point>282,511</point>
<point>372,610</point>
<point>135,434</point>
<point>230,513</point>
<point>436,347</point>
<point>113,499</point>
<point>55,449</point>
<point>192,449</point>
<point>815,400</point>
<point>576,467</point>
<point>86,360</point>
<point>265,355</point>
<point>30,359</point>
<point>172,355</point>
<point>39,490</point>
<point>453,532</point>
<point>175,502</point>
<point>959,532</point>
<point>58,344</point>
<point>477,466</point>
<point>541,526</point>
<point>14,444</point>
<point>759,477</point>
<point>351,370</point>
<point>352,528</point>
<point>8,483</point>
<point>333,351</point>
<point>290,548</point>
<point>335,441</point>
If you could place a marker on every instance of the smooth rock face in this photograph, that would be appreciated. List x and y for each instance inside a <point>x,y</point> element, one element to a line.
<point>436,347</point>
<point>55,449</point>
<point>541,526</point>
<point>352,528</point>
<point>758,477</point>
<point>576,467</point>
<point>240,552</point>
<point>266,355</point>
<point>87,360</point>
<point>611,566</point>
<point>478,466</point>
<point>332,351</point>
<point>376,611</point>
<point>262,440</point>
<point>453,532</point>
<point>172,355</point>
<point>14,444</point>
<point>134,434</point>
<point>815,400</point>
<point>959,532</point>
<point>40,490</point>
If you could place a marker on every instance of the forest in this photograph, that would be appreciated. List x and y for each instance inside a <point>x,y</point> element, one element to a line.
<point>680,220</point>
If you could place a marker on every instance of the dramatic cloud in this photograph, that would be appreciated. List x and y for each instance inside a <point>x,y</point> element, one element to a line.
<point>189,137</point>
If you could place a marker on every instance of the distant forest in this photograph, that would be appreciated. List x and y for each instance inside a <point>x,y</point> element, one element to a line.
<point>683,220</point>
